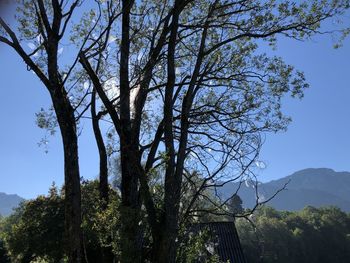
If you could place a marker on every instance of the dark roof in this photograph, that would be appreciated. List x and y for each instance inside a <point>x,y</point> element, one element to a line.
<point>225,236</point>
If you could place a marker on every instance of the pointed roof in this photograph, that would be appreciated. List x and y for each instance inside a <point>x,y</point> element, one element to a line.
<point>225,237</point>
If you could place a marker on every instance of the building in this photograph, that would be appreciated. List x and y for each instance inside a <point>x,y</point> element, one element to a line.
<point>222,240</point>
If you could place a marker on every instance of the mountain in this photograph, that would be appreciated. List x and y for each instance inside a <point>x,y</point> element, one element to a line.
<point>315,187</point>
<point>8,202</point>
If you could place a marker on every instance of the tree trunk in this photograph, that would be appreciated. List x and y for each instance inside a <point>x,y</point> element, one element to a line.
<point>103,184</point>
<point>130,205</point>
<point>130,211</point>
<point>67,124</point>
<point>164,250</point>
<point>167,241</point>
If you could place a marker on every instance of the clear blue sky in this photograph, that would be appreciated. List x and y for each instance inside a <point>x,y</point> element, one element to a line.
<point>319,135</point>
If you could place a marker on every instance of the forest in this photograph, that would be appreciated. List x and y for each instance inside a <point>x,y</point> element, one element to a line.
<point>177,97</point>
<point>308,235</point>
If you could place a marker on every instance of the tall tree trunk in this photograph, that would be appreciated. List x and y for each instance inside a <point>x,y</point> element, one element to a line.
<point>167,252</point>
<point>103,184</point>
<point>64,112</point>
<point>165,245</point>
<point>67,124</point>
<point>131,238</point>
<point>106,252</point>
<point>167,240</point>
<point>130,212</point>
<point>130,242</point>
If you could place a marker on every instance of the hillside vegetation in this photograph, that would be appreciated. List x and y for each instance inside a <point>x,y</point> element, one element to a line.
<point>312,235</point>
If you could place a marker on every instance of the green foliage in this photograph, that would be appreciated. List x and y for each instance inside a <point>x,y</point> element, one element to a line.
<point>36,229</point>
<point>194,248</point>
<point>310,235</point>
<point>35,232</point>
<point>99,225</point>
<point>4,258</point>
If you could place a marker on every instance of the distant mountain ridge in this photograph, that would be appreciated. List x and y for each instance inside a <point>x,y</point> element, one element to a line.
<point>313,186</point>
<point>8,203</point>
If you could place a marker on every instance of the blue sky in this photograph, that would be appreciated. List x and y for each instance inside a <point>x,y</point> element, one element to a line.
<point>319,135</point>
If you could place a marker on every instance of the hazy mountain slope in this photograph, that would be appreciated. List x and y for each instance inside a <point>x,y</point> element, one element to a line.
<point>316,187</point>
<point>323,179</point>
<point>8,202</point>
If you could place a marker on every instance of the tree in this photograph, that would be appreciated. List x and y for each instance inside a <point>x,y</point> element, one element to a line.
<point>38,232</point>
<point>310,235</point>
<point>45,22</point>
<point>192,92</point>
<point>103,155</point>
<point>35,230</point>
<point>3,251</point>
